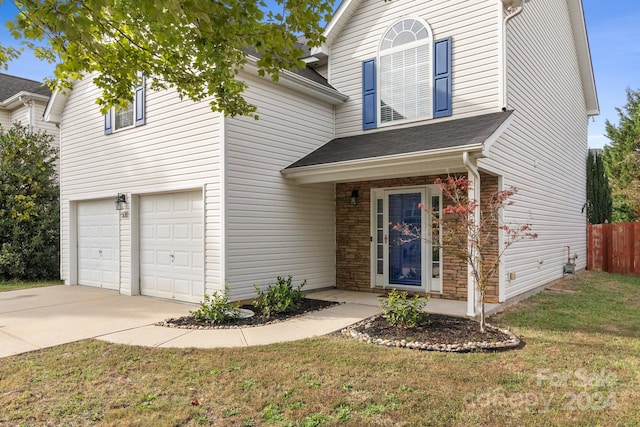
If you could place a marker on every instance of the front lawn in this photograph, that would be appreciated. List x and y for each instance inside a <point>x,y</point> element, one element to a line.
<point>13,285</point>
<point>580,366</point>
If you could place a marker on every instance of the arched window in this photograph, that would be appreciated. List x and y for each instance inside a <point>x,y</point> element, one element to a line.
<point>405,72</point>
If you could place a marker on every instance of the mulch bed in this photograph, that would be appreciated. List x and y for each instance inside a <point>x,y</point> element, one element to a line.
<point>308,305</point>
<point>435,333</point>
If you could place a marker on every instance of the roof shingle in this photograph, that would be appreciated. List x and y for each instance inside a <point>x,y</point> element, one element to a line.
<point>434,136</point>
<point>10,85</point>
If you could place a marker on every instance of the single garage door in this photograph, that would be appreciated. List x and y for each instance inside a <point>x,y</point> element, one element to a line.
<point>98,244</point>
<point>171,246</point>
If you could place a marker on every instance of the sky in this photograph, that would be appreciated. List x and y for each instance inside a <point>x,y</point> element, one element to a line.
<point>614,36</point>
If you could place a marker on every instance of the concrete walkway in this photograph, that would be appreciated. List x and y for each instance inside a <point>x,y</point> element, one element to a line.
<point>32,319</point>
<point>36,318</point>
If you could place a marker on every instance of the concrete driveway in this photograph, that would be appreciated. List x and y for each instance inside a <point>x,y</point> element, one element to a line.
<point>31,319</point>
<point>36,318</point>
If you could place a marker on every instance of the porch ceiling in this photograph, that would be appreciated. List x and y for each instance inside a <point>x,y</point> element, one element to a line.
<point>430,148</point>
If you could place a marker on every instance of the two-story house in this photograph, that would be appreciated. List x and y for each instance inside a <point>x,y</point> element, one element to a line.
<point>171,200</point>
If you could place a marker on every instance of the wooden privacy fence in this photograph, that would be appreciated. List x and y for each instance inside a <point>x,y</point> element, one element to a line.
<point>614,248</point>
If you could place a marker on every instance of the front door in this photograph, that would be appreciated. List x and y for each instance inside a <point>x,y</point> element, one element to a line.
<point>405,260</point>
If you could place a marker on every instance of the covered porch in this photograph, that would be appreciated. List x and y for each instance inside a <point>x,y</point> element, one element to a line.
<point>388,177</point>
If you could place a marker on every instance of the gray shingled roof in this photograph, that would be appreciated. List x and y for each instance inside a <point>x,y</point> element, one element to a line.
<point>307,72</point>
<point>10,85</point>
<point>435,136</point>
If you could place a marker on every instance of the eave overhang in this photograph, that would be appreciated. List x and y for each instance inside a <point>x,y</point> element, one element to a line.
<point>411,163</point>
<point>583,52</point>
<point>298,83</point>
<point>19,98</point>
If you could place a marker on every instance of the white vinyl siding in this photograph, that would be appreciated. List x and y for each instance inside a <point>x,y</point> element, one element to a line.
<point>5,118</point>
<point>275,227</point>
<point>31,115</point>
<point>544,151</point>
<point>179,149</point>
<point>474,26</point>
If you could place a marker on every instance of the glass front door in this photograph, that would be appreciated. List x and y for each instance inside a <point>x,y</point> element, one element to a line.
<point>405,250</point>
<point>400,260</point>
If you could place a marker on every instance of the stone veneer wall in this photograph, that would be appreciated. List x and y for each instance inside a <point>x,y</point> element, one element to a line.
<point>353,238</point>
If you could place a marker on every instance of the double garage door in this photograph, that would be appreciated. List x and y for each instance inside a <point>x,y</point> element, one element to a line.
<point>171,245</point>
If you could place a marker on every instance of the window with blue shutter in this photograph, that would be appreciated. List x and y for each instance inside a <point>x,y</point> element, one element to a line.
<point>369,99</point>
<point>130,116</point>
<point>442,78</point>
<point>108,127</point>
<point>139,103</point>
<point>405,72</point>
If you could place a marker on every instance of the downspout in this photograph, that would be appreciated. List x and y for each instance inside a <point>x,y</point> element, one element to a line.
<point>29,104</point>
<point>512,12</point>
<point>474,194</point>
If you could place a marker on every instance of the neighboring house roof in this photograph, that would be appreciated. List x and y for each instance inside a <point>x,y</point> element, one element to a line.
<point>466,132</point>
<point>12,85</point>
<point>12,88</point>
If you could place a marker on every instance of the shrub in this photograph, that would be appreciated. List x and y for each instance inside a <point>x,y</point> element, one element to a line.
<point>400,310</point>
<point>279,298</point>
<point>217,308</point>
<point>29,206</point>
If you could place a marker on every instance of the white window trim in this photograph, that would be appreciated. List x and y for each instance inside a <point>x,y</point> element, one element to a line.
<point>430,42</point>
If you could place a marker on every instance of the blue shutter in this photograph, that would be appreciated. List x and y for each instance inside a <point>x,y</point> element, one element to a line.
<point>108,127</point>
<point>369,102</point>
<point>442,78</point>
<point>139,117</point>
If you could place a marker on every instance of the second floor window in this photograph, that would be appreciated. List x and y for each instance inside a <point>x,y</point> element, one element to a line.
<point>123,117</point>
<point>132,115</point>
<point>405,72</point>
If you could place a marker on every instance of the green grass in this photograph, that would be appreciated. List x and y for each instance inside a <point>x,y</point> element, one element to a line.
<point>14,285</point>
<point>579,366</point>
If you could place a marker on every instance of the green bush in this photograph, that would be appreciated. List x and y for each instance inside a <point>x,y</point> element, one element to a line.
<point>400,310</point>
<point>29,206</point>
<point>279,298</point>
<point>217,308</point>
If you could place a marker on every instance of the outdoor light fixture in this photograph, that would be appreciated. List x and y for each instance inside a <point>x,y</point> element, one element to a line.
<point>354,197</point>
<point>121,199</point>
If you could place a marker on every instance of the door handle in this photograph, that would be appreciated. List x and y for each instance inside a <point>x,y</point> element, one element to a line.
<point>385,238</point>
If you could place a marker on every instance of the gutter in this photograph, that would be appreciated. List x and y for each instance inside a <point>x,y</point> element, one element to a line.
<point>18,98</point>
<point>473,298</point>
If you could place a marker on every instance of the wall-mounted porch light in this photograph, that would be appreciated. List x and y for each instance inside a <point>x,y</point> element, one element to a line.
<point>121,199</point>
<point>354,197</point>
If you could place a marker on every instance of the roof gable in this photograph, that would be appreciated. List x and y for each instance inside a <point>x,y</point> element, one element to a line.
<point>578,25</point>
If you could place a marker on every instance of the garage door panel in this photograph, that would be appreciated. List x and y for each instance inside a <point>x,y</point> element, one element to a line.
<point>171,229</point>
<point>182,231</point>
<point>98,254</point>
<point>163,231</point>
<point>163,259</point>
